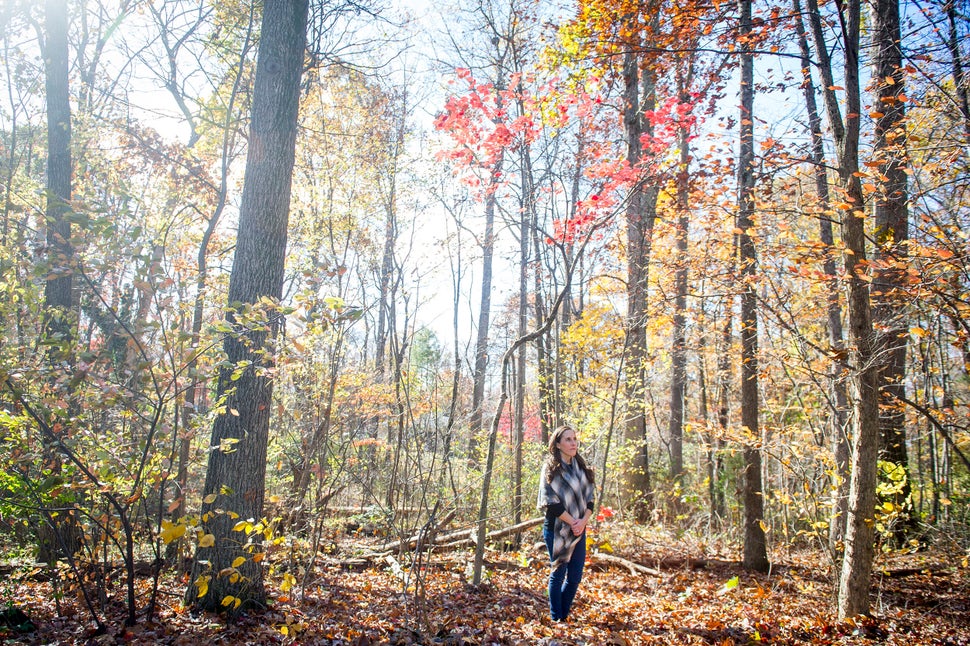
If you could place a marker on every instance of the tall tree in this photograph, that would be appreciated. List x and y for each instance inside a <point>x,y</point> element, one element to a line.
<point>856,570</point>
<point>889,281</point>
<point>479,372</point>
<point>639,97</point>
<point>226,571</point>
<point>838,419</point>
<point>960,81</point>
<point>755,545</point>
<point>60,303</point>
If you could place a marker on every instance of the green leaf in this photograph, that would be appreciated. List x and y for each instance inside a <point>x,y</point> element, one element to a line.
<point>730,584</point>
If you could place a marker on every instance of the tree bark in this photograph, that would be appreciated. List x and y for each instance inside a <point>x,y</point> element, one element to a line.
<point>959,75</point>
<point>484,313</point>
<point>718,502</point>
<point>62,537</point>
<point>526,208</point>
<point>678,346</point>
<point>640,215</point>
<point>235,477</point>
<point>856,571</point>
<point>890,314</point>
<point>755,543</point>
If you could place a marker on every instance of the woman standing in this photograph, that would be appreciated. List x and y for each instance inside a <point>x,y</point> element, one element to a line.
<point>566,495</point>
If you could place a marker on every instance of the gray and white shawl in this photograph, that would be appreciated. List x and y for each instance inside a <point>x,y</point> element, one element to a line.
<point>573,489</point>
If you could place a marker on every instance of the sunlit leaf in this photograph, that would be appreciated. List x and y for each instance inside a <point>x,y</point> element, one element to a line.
<point>202,583</point>
<point>729,585</point>
<point>171,531</point>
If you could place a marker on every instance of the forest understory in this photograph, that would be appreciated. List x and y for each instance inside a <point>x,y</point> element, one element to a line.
<point>695,594</point>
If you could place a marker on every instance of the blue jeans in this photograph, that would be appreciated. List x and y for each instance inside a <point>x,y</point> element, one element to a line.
<point>564,580</point>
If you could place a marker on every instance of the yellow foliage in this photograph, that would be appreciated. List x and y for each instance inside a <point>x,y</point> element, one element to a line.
<point>231,600</point>
<point>202,583</point>
<point>171,531</point>
<point>243,526</point>
<point>288,582</point>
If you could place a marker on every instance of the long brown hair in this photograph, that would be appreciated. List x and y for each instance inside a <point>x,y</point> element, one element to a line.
<point>554,459</point>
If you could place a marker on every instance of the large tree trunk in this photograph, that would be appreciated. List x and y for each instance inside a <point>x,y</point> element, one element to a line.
<point>838,420</point>
<point>195,391</point>
<point>235,478</point>
<point>755,544</point>
<point>640,214</point>
<point>60,305</point>
<point>890,314</point>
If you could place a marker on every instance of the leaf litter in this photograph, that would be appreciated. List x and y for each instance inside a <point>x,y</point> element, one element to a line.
<point>921,598</point>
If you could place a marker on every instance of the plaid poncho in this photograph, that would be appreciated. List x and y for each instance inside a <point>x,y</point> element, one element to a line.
<point>573,489</point>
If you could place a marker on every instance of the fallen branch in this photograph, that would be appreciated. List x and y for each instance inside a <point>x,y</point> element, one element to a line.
<point>635,568</point>
<point>412,542</point>
<point>460,538</point>
<point>468,537</point>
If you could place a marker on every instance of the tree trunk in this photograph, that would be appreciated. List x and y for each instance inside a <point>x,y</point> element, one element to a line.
<point>678,349</point>
<point>856,571</point>
<point>755,544</point>
<point>545,376</point>
<point>959,75</point>
<point>60,306</point>
<point>235,478</point>
<point>838,424</point>
<point>890,314</point>
<point>525,235</point>
<point>484,313</point>
<point>718,502</point>
<point>640,214</point>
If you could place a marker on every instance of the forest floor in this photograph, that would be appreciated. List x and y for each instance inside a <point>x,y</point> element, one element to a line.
<point>694,595</point>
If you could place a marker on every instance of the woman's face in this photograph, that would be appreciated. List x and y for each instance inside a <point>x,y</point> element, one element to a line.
<point>568,445</point>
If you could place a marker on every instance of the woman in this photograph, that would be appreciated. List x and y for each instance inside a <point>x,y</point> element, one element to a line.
<point>566,494</point>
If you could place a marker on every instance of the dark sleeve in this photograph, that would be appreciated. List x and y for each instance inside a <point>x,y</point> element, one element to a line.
<point>555,510</point>
<point>589,505</point>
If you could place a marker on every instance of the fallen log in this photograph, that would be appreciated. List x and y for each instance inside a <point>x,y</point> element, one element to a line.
<point>633,567</point>
<point>470,535</point>
<point>429,538</point>
<point>460,538</point>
